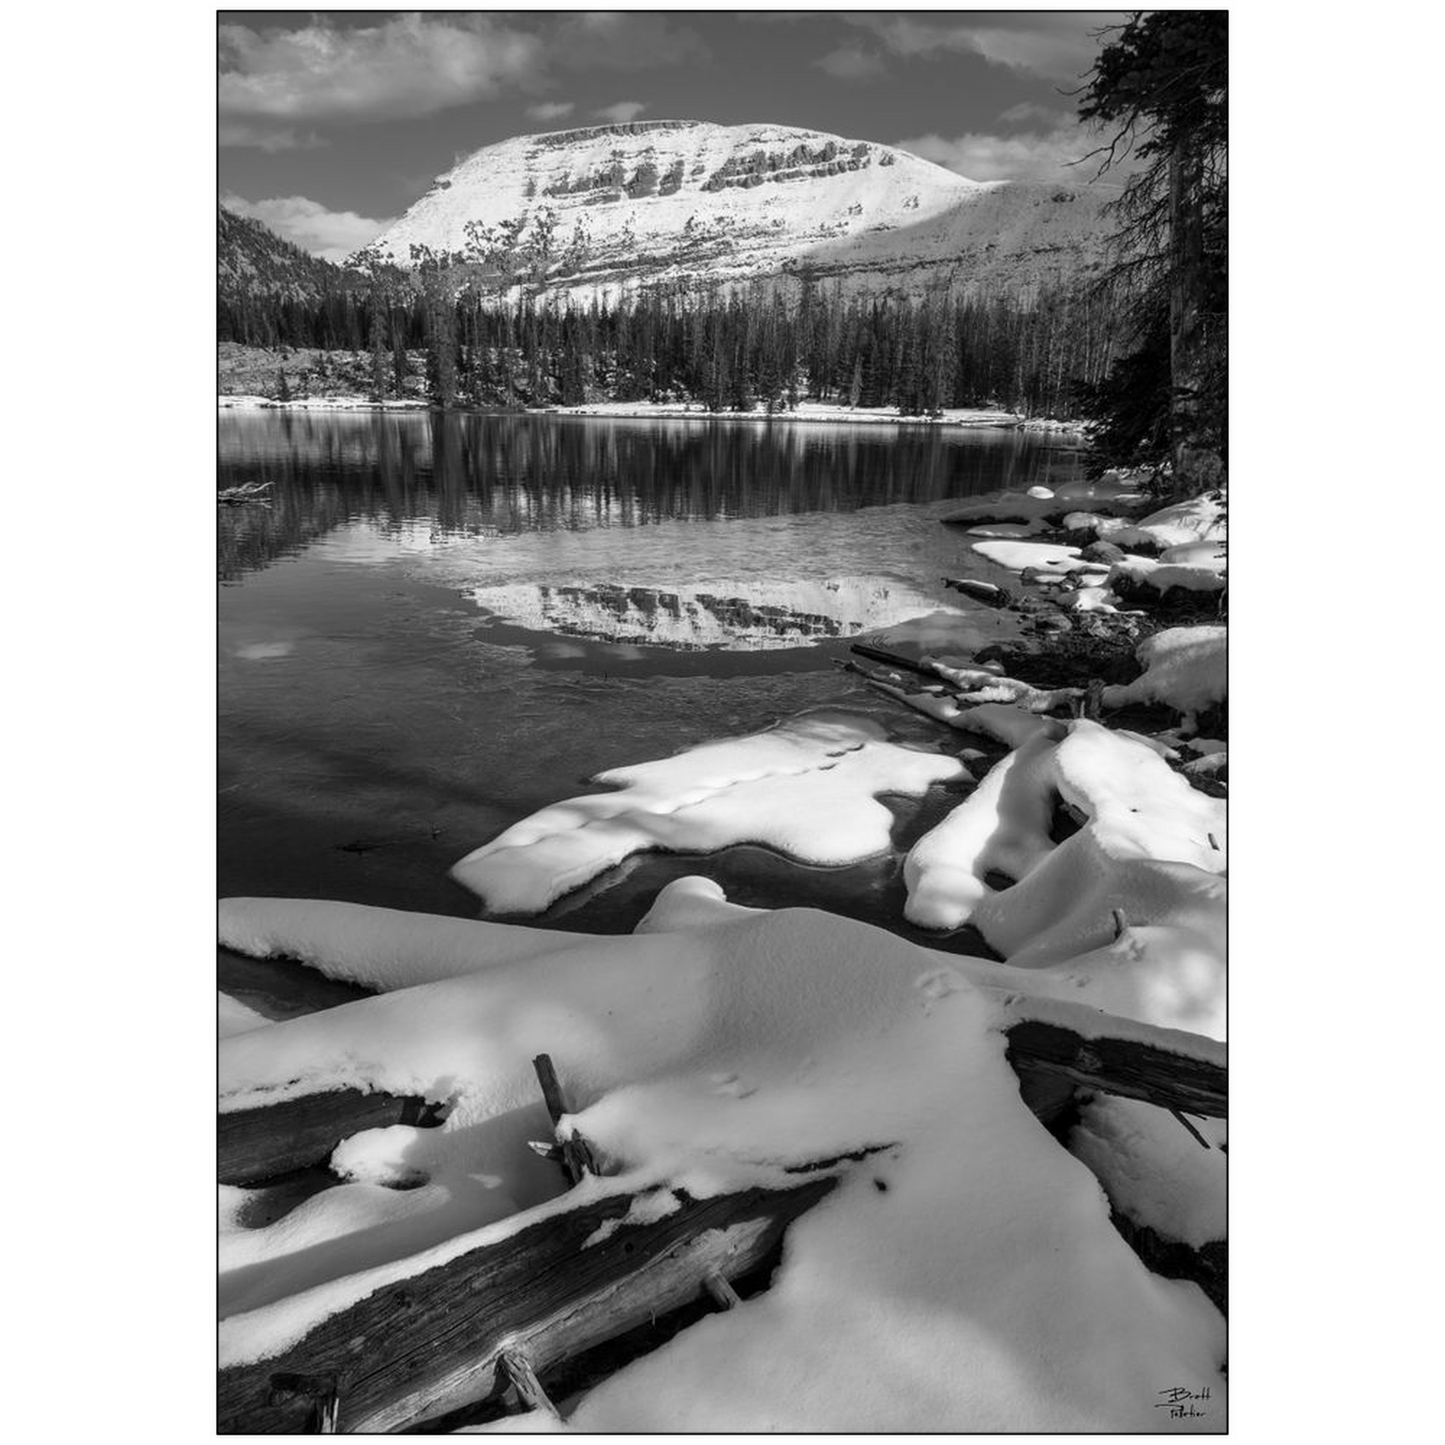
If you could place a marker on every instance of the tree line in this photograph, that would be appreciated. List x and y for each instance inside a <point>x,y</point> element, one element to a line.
<point>761,347</point>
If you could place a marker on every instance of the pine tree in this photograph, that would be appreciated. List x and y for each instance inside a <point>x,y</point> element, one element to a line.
<point>1162,85</point>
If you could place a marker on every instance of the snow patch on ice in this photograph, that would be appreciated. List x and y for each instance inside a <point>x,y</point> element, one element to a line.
<point>808,788</point>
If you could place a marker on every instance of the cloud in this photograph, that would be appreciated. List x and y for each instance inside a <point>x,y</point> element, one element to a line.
<point>1041,156</point>
<point>409,66</point>
<point>416,64</point>
<point>1058,45</point>
<point>551,109</point>
<point>1027,112</point>
<point>332,235</point>
<point>852,62</point>
<point>266,138</point>
<point>622,112</point>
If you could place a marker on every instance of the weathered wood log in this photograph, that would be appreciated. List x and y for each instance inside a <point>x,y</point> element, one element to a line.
<point>254,1145</point>
<point>1123,1066</point>
<point>987,592</point>
<point>416,1350</point>
<point>1207,1266</point>
<point>893,659</point>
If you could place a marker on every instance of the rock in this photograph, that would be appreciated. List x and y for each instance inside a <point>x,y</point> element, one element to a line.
<point>1105,552</point>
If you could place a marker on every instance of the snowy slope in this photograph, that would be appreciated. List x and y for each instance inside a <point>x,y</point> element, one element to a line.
<point>690,202</point>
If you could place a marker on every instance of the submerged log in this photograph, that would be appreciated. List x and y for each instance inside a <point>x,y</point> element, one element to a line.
<point>893,659</point>
<point>254,1145</point>
<point>415,1350</point>
<point>1127,1067</point>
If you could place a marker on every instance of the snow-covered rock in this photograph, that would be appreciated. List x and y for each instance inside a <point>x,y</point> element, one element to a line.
<point>1185,668</point>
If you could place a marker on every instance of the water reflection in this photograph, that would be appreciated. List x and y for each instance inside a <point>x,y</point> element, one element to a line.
<point>744,615</point>
<point>469,475</point>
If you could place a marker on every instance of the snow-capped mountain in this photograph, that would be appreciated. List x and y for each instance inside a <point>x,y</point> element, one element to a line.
<point>693,203</point>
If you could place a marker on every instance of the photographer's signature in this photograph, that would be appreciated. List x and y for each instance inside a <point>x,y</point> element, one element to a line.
<point>1183,1403</point>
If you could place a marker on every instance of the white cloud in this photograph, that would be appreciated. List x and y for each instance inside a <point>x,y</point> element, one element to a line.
<point>1059,45</point>
<point>332,235</point>
<point>409,66</point>
<point>416,64</point>
<point>1028,157</point>
<point>551,109</point>
<point>622,112</point>
<point>852,62</point>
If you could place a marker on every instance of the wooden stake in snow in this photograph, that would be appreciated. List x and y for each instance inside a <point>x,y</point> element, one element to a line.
<point>577,1157</point>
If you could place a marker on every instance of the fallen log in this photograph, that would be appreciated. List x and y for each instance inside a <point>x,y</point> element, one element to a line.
<point>254,1145</point>
<point>1127,1067</point>
<point>893,659</point>
<point>418,1349</point>
<point>988,592</point>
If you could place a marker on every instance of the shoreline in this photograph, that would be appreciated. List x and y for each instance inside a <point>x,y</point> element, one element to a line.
<point>959,418</point>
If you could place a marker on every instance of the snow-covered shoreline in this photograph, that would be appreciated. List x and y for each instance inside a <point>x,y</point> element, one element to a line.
<point>719,1043</point>
<point>684,411</point>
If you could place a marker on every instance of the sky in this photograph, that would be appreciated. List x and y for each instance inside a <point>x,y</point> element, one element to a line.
<point>331,123</point>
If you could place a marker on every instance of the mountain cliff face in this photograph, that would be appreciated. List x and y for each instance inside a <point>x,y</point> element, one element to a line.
<point>692,204</point>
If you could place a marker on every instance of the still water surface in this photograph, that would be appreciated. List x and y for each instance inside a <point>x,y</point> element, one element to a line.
<point>440,625</point>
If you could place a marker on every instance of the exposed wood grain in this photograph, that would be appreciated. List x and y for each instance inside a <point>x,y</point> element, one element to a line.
<point>254,1145</point>
<point>413,1351</point>
<point>1121,1066</point>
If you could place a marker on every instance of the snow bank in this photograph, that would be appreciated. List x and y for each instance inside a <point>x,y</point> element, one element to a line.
<point>1185,668</point>
<point>1046,558</point>
<point>1200,519</point>
<point>1002,826</point>
<point>241,401</point>
<point>816,411</point>
<point>381,948</point>
<point>1196,576</point>
<point>966,1277</point>
<point>1148,858</point>
<point>808,788</point>
<point>1153,1170</point>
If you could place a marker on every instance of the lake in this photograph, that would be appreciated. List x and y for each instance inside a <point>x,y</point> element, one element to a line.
<point>440,624</point>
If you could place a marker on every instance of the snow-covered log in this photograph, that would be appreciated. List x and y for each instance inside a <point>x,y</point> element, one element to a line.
<point>257,1144</point>
<point>416,1350</point>
<point>1134,1068</point>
